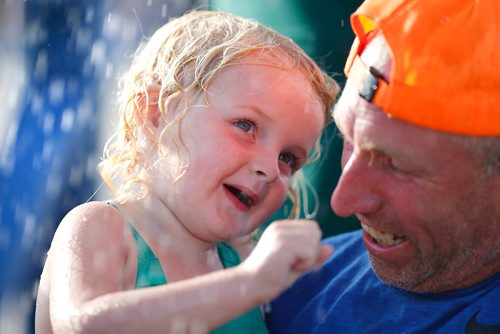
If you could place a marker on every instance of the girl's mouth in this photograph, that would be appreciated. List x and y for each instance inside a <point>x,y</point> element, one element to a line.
<point>244,198</point>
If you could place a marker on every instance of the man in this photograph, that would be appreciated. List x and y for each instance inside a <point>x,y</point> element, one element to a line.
<point>420,116</point>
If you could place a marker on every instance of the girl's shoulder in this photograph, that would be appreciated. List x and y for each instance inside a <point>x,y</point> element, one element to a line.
<point>93,225</point>
<point>90,254</point>
<point>97,214</point>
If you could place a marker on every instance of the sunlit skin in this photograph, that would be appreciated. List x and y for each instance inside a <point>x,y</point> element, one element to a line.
<point>249,135</point>
<point>256,130</point>
<point>423,188</point>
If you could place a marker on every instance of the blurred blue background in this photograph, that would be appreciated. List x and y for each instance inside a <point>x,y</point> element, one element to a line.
<point>59,65</point>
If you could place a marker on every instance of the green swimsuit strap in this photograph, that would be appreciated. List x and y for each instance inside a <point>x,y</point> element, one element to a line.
<point>228,256</point>
<point>149,270</point>
<point>150,273</point>
<point>251,322</point>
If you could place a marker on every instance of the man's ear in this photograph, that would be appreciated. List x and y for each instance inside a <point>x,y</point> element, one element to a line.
<point>147,107</point>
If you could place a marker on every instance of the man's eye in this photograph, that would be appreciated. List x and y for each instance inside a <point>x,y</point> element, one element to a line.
<point>245,124</point>
<point>393,165</point>
<point>397,167</point>
<point>290,159</point>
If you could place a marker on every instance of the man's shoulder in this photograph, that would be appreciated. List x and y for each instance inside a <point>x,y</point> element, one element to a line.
<point>296,310</point>
<point>347,236</point>
<point>345,296</point>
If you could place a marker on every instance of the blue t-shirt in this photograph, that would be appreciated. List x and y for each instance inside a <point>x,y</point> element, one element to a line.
<point>345,296</point>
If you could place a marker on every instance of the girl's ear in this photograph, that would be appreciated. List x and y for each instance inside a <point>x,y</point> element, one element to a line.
<point>147,107</point>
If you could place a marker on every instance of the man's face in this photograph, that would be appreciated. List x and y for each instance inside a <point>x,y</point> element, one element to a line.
<point>429,217</point>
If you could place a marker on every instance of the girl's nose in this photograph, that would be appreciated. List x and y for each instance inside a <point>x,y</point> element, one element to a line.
<point>266,166</point>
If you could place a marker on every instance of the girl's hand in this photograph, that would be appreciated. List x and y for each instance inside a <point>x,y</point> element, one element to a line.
<point>286,250</point>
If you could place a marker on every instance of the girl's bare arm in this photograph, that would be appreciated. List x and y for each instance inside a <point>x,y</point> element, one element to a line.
<point>88,293</point>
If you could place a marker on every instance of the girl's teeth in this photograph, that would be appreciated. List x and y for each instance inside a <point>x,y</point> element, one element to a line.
<point>383,238</point>
<point>245,199</point>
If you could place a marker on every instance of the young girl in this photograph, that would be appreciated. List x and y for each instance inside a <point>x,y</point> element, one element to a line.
<point>217,114</point>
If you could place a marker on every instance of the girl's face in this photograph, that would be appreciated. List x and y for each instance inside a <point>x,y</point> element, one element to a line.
<point>244,146</point>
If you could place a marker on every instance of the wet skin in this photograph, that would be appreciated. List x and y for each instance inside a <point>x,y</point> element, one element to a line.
<point>245,142</point>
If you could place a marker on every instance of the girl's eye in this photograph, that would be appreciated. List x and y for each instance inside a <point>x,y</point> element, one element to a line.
<point>290,159</point>
<point>245,124</point>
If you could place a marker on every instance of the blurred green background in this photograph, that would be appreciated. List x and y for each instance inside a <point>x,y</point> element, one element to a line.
<point>322,29</point>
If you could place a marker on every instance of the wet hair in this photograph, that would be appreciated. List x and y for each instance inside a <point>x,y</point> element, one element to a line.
<point>175,67</point>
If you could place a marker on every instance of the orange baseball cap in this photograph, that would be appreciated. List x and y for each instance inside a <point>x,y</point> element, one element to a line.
<point>446,62</point>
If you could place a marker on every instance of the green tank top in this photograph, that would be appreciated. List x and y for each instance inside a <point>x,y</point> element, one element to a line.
<point>150,273</point>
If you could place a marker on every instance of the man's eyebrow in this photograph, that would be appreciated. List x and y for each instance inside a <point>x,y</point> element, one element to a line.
<point>382,150</point>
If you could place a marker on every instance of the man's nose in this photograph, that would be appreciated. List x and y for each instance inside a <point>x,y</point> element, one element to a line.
<point>357,189</point>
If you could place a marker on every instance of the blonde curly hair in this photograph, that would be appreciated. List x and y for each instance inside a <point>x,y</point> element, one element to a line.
<point>178,63</point>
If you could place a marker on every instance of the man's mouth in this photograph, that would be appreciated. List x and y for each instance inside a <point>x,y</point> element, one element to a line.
<point>383,238</point>
<point>244,198</point>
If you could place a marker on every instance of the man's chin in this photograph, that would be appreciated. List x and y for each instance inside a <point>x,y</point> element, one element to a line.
<point>401,278</point>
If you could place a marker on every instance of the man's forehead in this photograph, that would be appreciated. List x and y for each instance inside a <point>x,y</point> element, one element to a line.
<point>343,111</point>
<point>350,107</point>
<point>377,55</point>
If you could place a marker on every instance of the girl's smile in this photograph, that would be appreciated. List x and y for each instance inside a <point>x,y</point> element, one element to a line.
<point>244,143</point>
